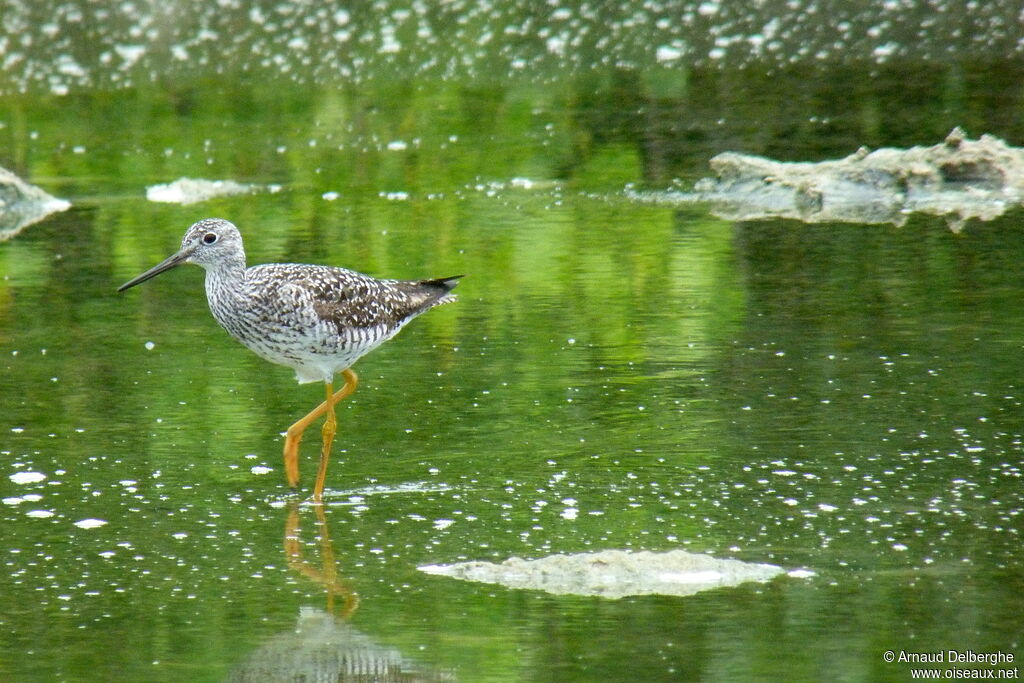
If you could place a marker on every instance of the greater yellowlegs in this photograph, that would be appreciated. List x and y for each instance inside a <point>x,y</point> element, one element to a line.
<point>317,320</point>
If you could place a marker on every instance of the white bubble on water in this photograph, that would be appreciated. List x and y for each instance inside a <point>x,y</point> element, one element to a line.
<point>90,523</point>
<point>27,477</point>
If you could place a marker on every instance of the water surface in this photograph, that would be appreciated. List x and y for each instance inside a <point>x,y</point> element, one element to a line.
<point>615,375</point>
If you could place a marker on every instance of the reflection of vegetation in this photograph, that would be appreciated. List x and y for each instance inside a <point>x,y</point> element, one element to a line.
<point>597,132</point>
<point>51,47</point>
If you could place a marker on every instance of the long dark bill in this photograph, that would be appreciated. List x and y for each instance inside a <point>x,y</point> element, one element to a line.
<point>166,264</point>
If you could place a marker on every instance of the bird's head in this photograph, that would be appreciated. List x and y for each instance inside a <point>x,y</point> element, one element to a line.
<point>211,243</point>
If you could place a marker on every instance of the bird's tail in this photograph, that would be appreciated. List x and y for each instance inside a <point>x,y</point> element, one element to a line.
<point>448,283</point>
<point>442,286</point>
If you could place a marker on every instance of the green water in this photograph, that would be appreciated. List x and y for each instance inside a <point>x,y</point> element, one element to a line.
<point>615,375</point>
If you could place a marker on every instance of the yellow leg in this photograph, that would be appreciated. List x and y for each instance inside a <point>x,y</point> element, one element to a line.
<point>328,431</point>
<point>294,433</point>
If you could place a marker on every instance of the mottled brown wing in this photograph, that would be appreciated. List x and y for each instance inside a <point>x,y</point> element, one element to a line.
<point>353,300</point>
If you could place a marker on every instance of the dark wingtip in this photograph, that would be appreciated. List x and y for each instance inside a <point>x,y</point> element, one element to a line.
<point>448,283</point>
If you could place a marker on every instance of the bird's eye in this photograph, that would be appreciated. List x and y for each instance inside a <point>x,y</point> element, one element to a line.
<point>209,238</point>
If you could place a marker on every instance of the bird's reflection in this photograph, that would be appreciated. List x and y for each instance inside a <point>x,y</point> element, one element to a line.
<point>324,646</point>
<point>327,573</point>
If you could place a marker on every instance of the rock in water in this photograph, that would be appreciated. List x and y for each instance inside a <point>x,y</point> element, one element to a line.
<point>958,179</point>
<point>613,573</point>
<point>186,191</point>
<point>22,204</point>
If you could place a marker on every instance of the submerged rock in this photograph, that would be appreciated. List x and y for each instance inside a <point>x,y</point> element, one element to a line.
<point>194,190</point>
<point>958,178</point>
<point>613,573</point>
<point>22,204</point>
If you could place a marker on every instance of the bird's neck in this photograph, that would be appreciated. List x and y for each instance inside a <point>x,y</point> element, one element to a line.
<point>226,278</point>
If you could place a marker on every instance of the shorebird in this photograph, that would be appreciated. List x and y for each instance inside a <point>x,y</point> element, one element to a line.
<point>317,320</point>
